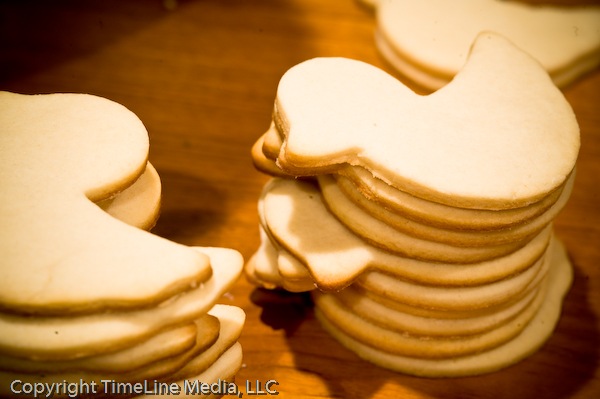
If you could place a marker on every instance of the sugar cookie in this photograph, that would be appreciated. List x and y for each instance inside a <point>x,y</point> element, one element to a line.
<point>445,147</point>
<point>223,369</point>
<point>195,361</point>
<point>232,321</point>
<point>446,314</point>
<point>139,204</point>
<point>428,347</point>
<point>63,338</point>
<point>429,42</point>
<point>454,298</point>
<point>171,342</point>
<point>335,256</point>
<point>163,367</point>
<point>383,235</point>
<point>377,313</point>
<point>527,342</point>
<point>355,181</point>
<point>343,206</point>
<point>262,163</point>
<point>358,183</point>
<point>271,266</point>
<point>220,362</point>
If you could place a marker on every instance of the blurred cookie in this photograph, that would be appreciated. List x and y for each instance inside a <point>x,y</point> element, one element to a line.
<point>429,42</point>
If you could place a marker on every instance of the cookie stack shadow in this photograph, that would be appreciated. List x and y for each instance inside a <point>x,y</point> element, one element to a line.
<point>121,312</point>
<point>428,285</point>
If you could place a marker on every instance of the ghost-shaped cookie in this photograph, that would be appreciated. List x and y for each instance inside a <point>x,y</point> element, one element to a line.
<point>501,135</point>
<point>428,41</point>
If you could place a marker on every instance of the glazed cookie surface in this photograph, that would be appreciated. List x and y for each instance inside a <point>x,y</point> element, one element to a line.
<point>480,142</point>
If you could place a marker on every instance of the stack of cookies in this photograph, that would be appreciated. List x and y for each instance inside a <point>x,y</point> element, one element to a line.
<point>428,42</point>
<point>88,297</point>
<point>423,222</point>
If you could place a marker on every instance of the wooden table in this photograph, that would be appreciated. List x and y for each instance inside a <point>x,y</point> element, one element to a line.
<point>202,77</point>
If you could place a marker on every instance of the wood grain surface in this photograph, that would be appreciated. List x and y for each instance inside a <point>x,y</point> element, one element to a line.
<point>202,75</point>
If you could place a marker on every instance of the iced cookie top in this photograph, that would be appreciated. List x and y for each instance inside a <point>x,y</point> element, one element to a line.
<point>500,135</point>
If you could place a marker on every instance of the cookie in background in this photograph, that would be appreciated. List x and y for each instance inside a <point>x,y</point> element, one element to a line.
<point>428,41</point>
